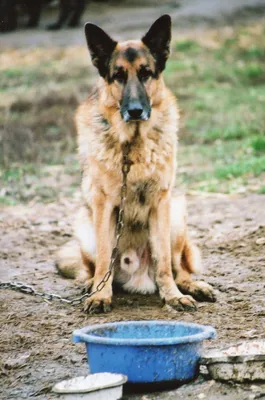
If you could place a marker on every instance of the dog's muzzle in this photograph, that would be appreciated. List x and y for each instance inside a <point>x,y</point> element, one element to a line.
<point>135,112</point>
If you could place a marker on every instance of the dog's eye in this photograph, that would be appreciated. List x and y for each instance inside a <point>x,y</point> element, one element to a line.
<point>120,76</point>
<point>144,74</point>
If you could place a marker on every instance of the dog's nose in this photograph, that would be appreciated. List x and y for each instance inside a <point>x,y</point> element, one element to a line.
<point>127,260</point>
<point>135,111</point>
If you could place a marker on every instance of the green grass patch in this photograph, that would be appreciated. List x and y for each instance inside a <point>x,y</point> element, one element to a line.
<point>186,45</point>
<point>254,166</point>
<point>262,190</point>
<point>227,133</point>
<point>253,53</point>
<point>221,166</point>
<point>258,144</point>
<point>251,73</point>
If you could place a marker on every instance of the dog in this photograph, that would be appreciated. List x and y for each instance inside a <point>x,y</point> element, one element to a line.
<point>131,105</point>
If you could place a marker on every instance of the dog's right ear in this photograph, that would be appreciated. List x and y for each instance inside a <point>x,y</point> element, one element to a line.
<point>101,47</point>
<point>157,39</point>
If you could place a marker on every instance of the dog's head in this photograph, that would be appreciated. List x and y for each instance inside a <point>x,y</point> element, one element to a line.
<point>132,69</point>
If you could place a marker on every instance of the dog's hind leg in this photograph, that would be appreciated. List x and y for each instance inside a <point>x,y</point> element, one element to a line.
<point>186,257</point>
<point>76,259</point>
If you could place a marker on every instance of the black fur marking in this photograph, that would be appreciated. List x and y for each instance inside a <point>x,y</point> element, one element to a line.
<point>109,142</point>
<point>142,198</point>
<point>109,78</point>
<point>116,213</point>
<point>136,226</point>
<point>131,54</point>
<point>119,75</point>
<point>157,129</point>
<point>142,191</point>
<point>144,73</point>
<point>105,122</point>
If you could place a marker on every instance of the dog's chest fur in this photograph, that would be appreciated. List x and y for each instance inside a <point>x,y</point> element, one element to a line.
<point>152,152</point>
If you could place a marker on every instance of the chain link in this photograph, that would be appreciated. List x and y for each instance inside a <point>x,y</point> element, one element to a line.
<point>27,289</point>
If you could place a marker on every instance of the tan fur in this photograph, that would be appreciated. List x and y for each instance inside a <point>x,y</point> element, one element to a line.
<point>154,220</point>
<point>139,275</point>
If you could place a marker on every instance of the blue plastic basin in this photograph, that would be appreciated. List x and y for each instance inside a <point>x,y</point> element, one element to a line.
<point>145,351</point>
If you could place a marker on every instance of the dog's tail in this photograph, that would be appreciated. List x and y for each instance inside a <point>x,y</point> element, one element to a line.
<point>191,258</point>
<point>69,261</point>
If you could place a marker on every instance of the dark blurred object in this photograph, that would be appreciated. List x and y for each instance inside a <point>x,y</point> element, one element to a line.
<point>9,13</point>
<point>70,12</point>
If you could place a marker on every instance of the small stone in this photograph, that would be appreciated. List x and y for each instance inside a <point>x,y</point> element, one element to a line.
<point>260,240</point>
<point>17,362</point>
<point>201,396</point>
<point>255,388</point>
<point>249,334</point>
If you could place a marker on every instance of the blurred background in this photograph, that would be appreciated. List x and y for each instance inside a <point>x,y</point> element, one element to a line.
<point>216,70</point>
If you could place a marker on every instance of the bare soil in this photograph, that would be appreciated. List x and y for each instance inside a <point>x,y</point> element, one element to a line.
<point>36,347</point>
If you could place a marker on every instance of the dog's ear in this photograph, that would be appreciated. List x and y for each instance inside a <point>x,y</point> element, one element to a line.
<point>101,47</point>
<point>157,39</point>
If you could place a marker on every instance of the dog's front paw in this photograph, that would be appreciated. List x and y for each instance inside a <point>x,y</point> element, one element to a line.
<point>97,305</point>
<point>184,303</point>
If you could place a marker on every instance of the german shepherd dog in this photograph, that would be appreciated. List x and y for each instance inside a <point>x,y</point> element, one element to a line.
<point>131,104</point>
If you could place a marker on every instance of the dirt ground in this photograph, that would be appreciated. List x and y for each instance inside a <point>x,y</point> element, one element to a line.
<point>36,346</point>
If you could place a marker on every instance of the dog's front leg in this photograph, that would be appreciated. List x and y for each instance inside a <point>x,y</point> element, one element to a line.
<point>159,225</point>
<point>104,225</point>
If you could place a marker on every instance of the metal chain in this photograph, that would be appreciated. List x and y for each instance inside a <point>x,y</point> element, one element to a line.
<point>23,288</point>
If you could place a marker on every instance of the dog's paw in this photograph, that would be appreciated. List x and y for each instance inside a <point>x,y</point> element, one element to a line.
<point>200,290</point>
<point>94,305</point>
<point>184,303</point>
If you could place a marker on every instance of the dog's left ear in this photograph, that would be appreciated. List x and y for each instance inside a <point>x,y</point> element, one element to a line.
<point>101,47</point>
<point>157,39</point>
